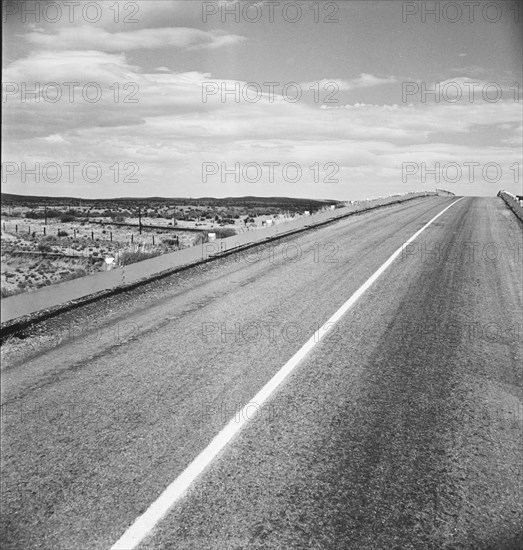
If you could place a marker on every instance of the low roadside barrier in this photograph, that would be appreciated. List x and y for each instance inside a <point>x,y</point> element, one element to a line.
<point>513,202</point>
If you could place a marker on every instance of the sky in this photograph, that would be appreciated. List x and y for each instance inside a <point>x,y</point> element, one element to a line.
<point>314,99</point>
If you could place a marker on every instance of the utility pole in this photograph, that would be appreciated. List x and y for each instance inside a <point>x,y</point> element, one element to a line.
<point>140,220</point>
<point>45,215</point>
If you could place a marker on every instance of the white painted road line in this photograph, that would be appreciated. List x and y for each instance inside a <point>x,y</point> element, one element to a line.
<point>145,523</point>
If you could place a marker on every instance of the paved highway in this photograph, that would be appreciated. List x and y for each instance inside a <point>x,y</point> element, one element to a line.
<point>401,428</point>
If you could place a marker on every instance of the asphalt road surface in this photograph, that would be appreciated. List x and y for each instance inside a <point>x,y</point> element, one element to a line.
<point>401,429</point>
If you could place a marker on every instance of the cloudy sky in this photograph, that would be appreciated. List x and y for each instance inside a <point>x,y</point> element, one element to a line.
<point>174,98</point>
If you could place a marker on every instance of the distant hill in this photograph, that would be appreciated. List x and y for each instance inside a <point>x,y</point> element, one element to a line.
<point>33,200</point>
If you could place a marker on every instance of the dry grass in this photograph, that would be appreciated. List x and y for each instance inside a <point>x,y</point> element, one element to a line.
<point>22,274</point>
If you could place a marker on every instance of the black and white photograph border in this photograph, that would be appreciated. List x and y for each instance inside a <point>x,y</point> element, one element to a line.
<point>261,275</point>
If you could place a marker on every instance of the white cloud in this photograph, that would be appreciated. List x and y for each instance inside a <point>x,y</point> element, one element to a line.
<point>89,38</point>
<point>365,80</point>
<point>170,132</point>
<point>72,65</point>
<point>516,139</point>
<point>118,15</point>
<point>54,138</point>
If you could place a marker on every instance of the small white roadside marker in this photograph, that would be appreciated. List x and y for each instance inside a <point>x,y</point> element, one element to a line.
<point>144,524</point>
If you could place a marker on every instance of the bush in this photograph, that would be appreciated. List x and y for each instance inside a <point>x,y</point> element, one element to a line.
<point>67,218</point>
<point>40,214</point>
<point>43,247</point>
<point>79,272</point>
<point>170,242</point>
<point>6,293</point>
<point>62,233</point>
<point>128,257</point>
<point>34,215</point>
<point>201,239</point>
<point>222,233</point>
<point>50,239</point>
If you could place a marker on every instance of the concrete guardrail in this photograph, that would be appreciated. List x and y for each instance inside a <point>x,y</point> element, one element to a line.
<point>515,204</point>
